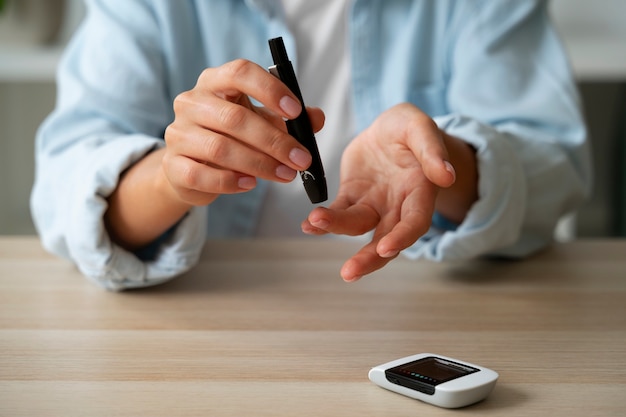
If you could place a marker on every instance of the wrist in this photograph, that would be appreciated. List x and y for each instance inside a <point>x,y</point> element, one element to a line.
<point>144,204</point>
<point>163,188</point>
<point>454,202</point>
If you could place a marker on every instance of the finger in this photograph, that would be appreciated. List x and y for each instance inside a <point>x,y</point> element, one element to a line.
<point>362,263</point>
<point>197,183</point>
<point>415,219</point>
<point>368,259</point>
<point>352,221</point>
<point>226,153</point>
<point>425,140</point>
<point>309,229</point>
<point>423,137</point>
<point>246,126</point>
<point>242,77</point>
<point>317,118</point>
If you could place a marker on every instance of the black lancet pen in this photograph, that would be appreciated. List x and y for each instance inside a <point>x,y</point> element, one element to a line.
<point>300,128</point>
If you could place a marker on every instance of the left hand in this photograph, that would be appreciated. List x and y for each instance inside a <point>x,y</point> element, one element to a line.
<point>390,177</point>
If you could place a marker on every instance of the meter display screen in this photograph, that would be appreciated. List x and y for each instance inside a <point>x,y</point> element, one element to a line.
<point>426,373</point>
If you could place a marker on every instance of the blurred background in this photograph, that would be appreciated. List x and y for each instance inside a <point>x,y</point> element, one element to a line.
<point>34,32</point>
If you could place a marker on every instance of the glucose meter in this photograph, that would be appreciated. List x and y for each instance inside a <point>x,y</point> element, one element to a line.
<point>436,379</point>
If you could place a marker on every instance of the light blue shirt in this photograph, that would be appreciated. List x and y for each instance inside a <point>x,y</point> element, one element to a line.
<point>490,72</point>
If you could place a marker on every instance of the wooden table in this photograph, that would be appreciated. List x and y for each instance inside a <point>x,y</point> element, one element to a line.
<point>267,328</point>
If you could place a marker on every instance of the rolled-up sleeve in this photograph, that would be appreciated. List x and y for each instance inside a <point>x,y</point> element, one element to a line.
<point>512,97</point>
<point>112,108</point>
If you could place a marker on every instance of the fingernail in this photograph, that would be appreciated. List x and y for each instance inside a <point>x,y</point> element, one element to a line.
<point>246,183</point>
<point>389,254</point>
<point>300,157</point>
<point>353,279</point>
<point>450,169</point>
<point>286,173</point>
<point>290,106</point>
<point>321,223</point>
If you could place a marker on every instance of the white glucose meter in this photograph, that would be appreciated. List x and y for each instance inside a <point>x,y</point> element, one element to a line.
<point>436,379</point>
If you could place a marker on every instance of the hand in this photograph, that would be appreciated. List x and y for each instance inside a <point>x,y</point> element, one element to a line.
<point>220,143</point>
<point>390,179</point>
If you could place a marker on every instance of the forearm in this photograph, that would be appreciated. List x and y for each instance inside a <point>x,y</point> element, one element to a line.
<point>143,206</point>
<point>454,202</point>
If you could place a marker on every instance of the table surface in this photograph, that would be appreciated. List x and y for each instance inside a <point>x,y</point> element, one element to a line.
<point>267,328</point>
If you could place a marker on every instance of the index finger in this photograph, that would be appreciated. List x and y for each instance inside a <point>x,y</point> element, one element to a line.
<point>351,221</point>
<point>241,77</point>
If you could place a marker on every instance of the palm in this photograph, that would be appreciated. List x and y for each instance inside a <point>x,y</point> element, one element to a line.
<point>390,176</point>
<point>387,181</point>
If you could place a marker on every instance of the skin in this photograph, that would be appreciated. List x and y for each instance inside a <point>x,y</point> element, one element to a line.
<point>394,175</point>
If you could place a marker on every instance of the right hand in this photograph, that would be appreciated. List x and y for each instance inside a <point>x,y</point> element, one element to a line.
<point>220,143</point>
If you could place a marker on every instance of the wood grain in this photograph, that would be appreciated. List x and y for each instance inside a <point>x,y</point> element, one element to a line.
<point>267,328</point>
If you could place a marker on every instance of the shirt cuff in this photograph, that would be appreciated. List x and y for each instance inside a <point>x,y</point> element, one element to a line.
<point>495,221</point>
<point>90,247</point>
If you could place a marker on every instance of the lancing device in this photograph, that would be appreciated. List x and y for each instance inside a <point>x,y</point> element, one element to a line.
<point>300,128</point>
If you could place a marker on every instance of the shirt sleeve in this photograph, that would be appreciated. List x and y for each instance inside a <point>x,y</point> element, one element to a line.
<point>512,97</point>
<point>112,108</point>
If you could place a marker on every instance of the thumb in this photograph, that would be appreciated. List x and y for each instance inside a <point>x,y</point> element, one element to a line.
<point>429,147</point>
<point>440,172</point>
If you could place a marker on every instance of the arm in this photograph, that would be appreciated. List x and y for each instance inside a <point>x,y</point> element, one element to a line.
<point>455,201</point>
<point>525,159</point>
<point>219,143</point>
<point>111,110</point>
<point>105,185</point>
<point>394,175</point>
<point>513,98</point>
